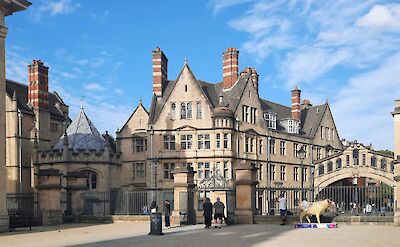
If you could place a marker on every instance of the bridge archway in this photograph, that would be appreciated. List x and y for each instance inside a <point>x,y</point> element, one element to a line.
<point>330,178</point>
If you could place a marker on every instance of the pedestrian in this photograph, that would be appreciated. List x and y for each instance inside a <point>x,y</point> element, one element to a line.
<point>219,209</point>
<point>207,212</point>
<point>167,213</point>
<point>153,207</point>
<point>305,204</point>
<point>282,208</point>
<point>145,209</point>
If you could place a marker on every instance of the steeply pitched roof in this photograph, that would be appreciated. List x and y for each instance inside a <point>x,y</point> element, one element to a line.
<point>21,91</point>
<point>82,134</point>
<point>310,117</point>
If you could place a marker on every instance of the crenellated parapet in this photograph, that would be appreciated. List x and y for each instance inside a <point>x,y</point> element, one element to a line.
<point>78,156</point>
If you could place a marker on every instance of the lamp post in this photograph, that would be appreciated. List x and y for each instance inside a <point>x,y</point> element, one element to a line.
<point>269,176</point>
<point>302,154</point>
<point>153,164</point>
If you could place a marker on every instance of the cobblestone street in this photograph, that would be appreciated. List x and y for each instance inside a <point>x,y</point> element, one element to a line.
<point>135,234</point>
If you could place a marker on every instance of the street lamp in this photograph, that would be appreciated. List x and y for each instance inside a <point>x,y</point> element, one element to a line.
<point>153,164</point>
<point>302,155</point>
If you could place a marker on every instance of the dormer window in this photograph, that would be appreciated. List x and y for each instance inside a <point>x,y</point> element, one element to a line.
<point>271,120</point>
<point>291,125</point>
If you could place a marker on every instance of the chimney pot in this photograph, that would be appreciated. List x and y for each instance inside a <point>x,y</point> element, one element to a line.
<point>160,71</point>
<point>38,84</point>
<point>296,111</point>
<point>230,69</point>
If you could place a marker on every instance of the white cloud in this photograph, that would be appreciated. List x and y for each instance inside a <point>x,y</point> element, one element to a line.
<point>336,49</point>
<point>362,108</point>
<point>381,17</point>
<point>94,87</point>
<point>219,5</point>
<point>17,64</point>
<point>59,7</point>
<point>54,8</point>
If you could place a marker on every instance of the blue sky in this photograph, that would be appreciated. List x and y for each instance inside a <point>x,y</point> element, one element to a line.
<point>345,51</point>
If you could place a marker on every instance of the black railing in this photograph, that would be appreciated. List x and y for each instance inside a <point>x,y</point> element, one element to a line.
<point>23,209</point>
<point>349,200</point>
<point>125,203</point>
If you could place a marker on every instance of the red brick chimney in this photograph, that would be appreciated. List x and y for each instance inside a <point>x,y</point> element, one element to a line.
<point>296,112</point>
<point>38,84</point>
<point>160,71</point>
<point>230,67</point>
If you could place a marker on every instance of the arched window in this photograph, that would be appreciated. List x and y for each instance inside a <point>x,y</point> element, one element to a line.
<point>383,164</point>
<point>355,156</point>
<point>199,112</point>
<point>173,110</point>
<point>189,110</point>
<point>321,170</point>
<point>183,111</point>
<point>330,166</point>
<point>338,164</point>
<point>91,181</point>
<point>373,161</point>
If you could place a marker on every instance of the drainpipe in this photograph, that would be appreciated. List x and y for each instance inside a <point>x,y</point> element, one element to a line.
<point>20,149</point>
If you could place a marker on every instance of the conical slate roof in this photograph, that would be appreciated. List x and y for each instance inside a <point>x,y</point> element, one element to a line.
<point>82,134</point>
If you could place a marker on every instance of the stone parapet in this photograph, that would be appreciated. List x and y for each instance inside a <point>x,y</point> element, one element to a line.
<point>88,156</point>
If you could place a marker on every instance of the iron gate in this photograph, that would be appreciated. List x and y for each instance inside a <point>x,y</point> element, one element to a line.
<point>23,210</point>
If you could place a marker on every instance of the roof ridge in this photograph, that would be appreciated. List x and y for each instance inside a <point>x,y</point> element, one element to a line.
<point>275,103</point>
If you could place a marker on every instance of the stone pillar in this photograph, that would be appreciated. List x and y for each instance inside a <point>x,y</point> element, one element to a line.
<point>245,183</point>
<point>183,196</point>
<point>3,177</point>
<point>397,191</point>
<point>396,126</point>
<point>7,7</point>
<point>50,196</point>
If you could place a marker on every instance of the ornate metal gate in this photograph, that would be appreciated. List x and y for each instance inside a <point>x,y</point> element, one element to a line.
<point>219,184</point>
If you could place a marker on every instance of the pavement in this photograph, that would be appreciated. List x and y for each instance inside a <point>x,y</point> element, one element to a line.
<point>135,234</point>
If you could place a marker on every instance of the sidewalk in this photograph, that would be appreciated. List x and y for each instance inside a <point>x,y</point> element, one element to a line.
<point>135,234</point>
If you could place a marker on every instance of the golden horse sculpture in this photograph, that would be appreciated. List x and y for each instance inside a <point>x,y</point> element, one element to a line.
<point>315,208</point>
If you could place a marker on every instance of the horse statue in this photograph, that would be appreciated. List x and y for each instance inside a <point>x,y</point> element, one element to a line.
<point>315,208</point>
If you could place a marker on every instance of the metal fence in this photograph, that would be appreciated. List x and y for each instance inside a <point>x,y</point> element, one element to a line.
<point>349,200</point>
<point>125,203</point>
<point>23,209</point>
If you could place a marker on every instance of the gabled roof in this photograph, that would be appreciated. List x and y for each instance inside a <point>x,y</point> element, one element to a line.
<point>133,113</point>
<point>211,92</point>
<point>21,91</point>
<point>82,135</point>
<point>310,117</point>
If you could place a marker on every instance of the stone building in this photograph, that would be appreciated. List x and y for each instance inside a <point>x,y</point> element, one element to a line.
<point>7,7</point>
<point>217,127</point>
<point>396,126</point>
<point>358,165</point>
<point>81,160</point>
<point>31,110</point>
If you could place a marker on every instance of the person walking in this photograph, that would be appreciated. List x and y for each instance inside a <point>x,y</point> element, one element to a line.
<point>282,208</point>
<point>153,207</point>
<point>167,213</point>
<point>219,209</point>
<point>207,212</point>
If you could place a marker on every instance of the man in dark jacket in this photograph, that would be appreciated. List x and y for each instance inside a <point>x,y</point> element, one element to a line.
<point>167,213</point>
<point>207,212</point>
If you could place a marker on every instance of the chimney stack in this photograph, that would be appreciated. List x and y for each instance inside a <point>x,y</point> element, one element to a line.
<point>306,104</point>
<point>160,71</point>
<point>230,67</point>
<point>254,77</point>
<point>296,112</point>
<point>38,85</point>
